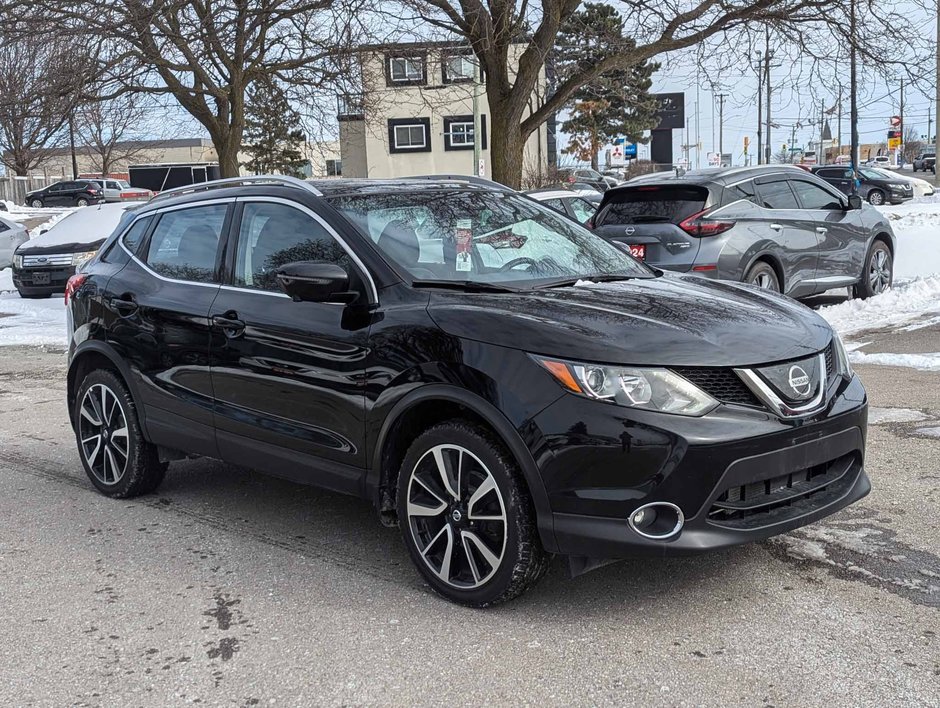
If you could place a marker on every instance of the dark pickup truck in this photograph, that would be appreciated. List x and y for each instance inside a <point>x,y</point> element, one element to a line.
<point>925,161</point>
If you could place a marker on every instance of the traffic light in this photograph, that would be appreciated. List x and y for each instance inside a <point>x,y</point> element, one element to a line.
<point>747,142</point>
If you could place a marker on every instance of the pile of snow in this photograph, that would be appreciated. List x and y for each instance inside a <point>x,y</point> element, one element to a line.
<point>33,322</point>
<point>16,212</point>
<point>86,225</point>
<point>906,302</point>
<point>917,227</point>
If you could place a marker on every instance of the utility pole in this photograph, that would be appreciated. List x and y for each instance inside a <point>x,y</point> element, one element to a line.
<point>477,131</point>
<point>853,89</point>
<point>72,146</point>
<point>937,107</point>
<point>760,103</point>
<point>900,159</point>
<point>721,124</point>
<point>793,138</point>
<point>840,118</point>
<point>768,149</point>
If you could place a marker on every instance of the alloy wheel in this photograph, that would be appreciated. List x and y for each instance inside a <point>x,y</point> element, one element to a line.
<point>876,198</point>
<point>765,281</point>
<point>103,434</point>
<point>879,271</point>
<point>456,516</point>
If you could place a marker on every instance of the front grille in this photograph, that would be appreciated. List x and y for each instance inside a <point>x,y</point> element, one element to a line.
<point>780,497</point>
<point>53,259</point>
<point>721,384</point>
<point>830,367</point>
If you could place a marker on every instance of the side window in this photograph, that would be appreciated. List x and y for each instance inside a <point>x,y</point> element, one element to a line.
<point>272,235</point>
<point>744,190</point>
<point>132,238</point>
<point>113,185</point>
<point>777,195</point>
<point>184,243</point>
<point>812,196</point>
<point>554,204</point>
<point>582,208</point>
<point>3,226</point>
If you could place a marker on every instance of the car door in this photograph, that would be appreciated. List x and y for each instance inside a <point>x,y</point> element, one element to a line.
<point>839,177</point>
<point>790,228</point>
<point>843,239</point>
<point>158,319</point>
<point>288,376</point>
<point>56,195</point>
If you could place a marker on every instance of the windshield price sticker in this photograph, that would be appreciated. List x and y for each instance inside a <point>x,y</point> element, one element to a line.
<point>463,245</point>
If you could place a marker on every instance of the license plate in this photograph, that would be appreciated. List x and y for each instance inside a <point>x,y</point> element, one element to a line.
<point>40,278</point>
<point>638,250</point>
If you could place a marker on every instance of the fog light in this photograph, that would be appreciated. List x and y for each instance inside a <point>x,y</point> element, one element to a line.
<point>658,521</point>
<point>644,517</point>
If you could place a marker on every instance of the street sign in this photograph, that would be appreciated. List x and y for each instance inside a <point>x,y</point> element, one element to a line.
<point>629,150</point>
<point>714,159</point>
<point>481,168</point>
<point>895,121</point>
<point>894,143</point>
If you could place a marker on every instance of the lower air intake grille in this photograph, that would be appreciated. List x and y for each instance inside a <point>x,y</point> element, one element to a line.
<point>721,384</point>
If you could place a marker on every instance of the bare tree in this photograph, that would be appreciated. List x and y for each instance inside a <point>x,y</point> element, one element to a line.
<point>114,130</point>
<point>38,89</point>
<point>652,28</point>
<point>206,53</point>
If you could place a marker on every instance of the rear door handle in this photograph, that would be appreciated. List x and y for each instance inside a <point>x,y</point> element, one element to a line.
<point>229,323</point>
<point>776,227</point>
<point>125,306</point>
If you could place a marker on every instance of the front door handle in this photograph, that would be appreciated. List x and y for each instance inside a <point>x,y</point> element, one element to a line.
<point>776,227</point>
<point>229,324</point>
<point>821,230</point>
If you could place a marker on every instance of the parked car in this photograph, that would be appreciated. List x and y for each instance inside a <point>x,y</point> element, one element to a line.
<point>571,204</point>
<point>876,186</point>
<point>499,381</point>
<point>776,227</point>
<point>12,235</point>
<point>80,192</point>
<point>120,190</point>
<point>586,176</point>
<point>43,265</point>
<point>925,161</point>
<point>919,187</point>
<point>879,161</point>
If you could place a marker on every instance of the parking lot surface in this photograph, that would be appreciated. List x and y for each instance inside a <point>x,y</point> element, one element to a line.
<point>230,588</point>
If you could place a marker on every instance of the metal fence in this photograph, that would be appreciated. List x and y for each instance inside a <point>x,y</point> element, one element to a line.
<point>14,189</point>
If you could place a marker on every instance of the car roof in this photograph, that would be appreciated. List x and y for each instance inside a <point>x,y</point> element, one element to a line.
<point>721,176</point>
<point>541,194</point>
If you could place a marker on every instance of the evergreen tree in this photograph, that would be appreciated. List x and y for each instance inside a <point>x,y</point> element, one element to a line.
<point>272,132</point>
<point>617,104</point>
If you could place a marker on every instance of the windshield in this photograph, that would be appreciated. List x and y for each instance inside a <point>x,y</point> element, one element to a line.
<point>488,237</point>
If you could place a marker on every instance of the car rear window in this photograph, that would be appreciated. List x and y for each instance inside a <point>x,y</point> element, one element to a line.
<point>644,204</point>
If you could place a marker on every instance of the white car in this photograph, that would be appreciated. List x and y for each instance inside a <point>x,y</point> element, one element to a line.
<point>570,203</point>
<point>880,161</point>
<point>921,187</point>
<point>12,235</point>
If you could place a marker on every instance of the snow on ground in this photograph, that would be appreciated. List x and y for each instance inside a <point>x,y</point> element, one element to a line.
<point>907,301</point>
<point>880,416</point>
<point>34,322</point>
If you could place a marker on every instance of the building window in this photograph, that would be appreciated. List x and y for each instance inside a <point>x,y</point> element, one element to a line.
<point>459,68</point>
<point>349,105</point>
<point>458,132</point>
<point>334,168</point>
<point>409,135</point>
<point>406,70</point>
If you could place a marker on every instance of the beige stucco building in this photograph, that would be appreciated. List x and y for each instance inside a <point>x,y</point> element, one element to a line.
<point>415,114</point>
<point>142,152</point>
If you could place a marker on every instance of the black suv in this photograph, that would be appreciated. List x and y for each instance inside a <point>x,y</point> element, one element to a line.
<point>874,185</point>
<point>498,380</point>
<point>73,193</point>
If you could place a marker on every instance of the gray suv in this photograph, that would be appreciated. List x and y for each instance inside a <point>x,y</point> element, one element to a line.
<point>776,227</point>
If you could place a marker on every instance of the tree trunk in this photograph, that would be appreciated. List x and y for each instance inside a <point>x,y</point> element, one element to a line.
<point>228,156</point>
<point>507,145</point>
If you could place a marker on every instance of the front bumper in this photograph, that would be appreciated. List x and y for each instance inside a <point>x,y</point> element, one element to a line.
<point>42,281</point>
<point>738,475</point>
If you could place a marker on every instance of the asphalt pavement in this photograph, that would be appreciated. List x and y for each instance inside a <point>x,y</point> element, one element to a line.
<point>230,588</point>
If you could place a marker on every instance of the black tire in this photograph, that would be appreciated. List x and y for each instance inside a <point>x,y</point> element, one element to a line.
<point>876,197</point>
<point>82,202</point>
<point>763,276</point>
<point>522,562</point>
<point>142,472</point>
<point>878,274</point>
<point>36,203</point>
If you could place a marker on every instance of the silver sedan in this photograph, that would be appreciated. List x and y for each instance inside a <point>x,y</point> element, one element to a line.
<point>12,234</point>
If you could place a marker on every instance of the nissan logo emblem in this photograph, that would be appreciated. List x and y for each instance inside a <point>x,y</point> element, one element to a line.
<point>799,381</point>
<point>629,231</point>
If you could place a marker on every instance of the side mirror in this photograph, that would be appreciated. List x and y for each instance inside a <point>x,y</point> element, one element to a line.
<point>855,201</point>
<point>315,281</point>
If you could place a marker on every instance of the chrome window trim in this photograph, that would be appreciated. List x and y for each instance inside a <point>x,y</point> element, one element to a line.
<point>370,283</point>
<point>767,396</point>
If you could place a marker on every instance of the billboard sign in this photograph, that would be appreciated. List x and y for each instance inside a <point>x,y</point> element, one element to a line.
<point>616,156</point>
<point>670,110</point>
<point>629,151</point>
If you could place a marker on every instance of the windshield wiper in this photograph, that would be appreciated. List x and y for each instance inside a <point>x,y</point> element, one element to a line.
<point>470,286</point>
<point>590,278</point>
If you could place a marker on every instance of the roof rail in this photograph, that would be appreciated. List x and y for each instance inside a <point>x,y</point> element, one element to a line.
<point>283,180</point>
<point>470,179</point>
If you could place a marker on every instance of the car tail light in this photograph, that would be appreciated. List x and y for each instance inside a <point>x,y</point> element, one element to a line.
<point>695,225</point>
<point>73,284</point>
<point>91,190</point>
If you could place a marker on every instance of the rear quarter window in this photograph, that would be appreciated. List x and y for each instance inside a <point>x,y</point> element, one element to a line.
<point>647,204</point>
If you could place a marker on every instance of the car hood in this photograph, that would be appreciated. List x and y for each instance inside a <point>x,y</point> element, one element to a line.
<point>78,246</point>
<point>672,320</point>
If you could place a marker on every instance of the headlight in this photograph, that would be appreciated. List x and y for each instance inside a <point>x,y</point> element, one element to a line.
<point>79,258</point>
<point>17,261</point>
<point>894,185</point>
<point>843,367</point>
<point>648,389</point>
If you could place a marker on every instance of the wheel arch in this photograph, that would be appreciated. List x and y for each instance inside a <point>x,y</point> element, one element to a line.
<point>92,355</point>
<point>773,261</point>
<point>435,403</point>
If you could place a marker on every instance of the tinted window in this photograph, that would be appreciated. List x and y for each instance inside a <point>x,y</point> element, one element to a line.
<point>836,173</point>
<point>744,190</point>
<point>113,185</point>
<point>554,204</point>
<point>184,243</point>
<point>134,235</point>
<point>815,197</point>
<point>651,204</point>
<point>272,235</point>
<point>777,195</point>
